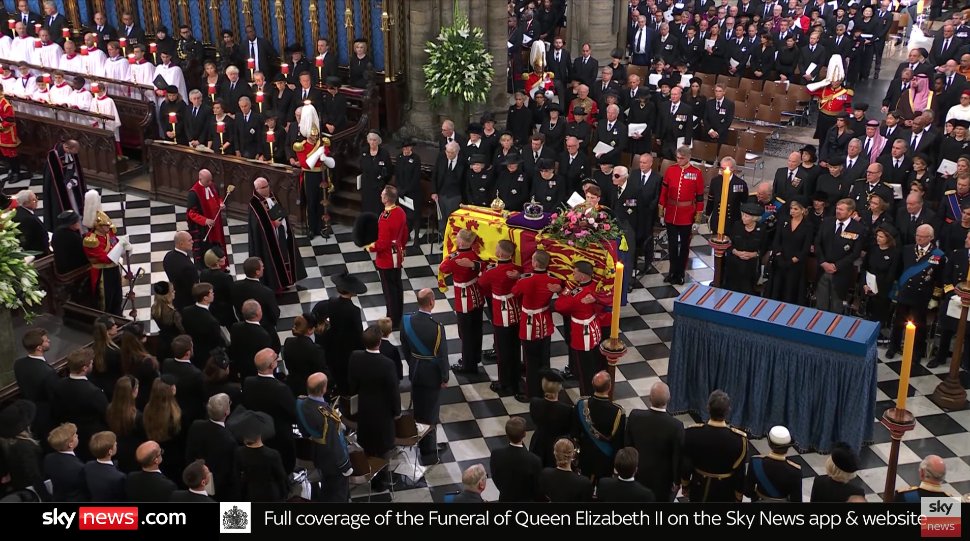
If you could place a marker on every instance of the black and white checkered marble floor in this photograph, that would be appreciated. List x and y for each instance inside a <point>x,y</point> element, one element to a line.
<point>473,417</point>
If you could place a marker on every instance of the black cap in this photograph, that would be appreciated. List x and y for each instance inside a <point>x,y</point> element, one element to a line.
<point>477,158</point>
<point>960,123</point>
<point>512,159</point>
<point>475,128</point>
<point>578,110</point>
<point>349,283</point>
<point>801,200</point>
<point>161,288</point>
<point>250,425</point>
<point>365,229</point>
<point>546,164</point>
<point>887,228</point>
<point>407,142</point>
<point>837,160</point>
<point>172,89</point>
<point>334,81</point>
<point>861,106</point>
<point>666,82</point>
<point>294,48</point>
<point>697,80</point>
<point>279,78</point>
<point>606,159</point>
<point>554,107</point>
<point>553,375</point>
<point>68,217</point>
<point>162,29</point>
<point>844,459</point>
<point>820,196</point>
<point>617,53</point>
<point>843,115</point>
<point>487,116</point>
<point>752,209</point>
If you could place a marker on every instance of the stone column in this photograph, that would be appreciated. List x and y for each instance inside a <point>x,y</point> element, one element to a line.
<point>422,25</point>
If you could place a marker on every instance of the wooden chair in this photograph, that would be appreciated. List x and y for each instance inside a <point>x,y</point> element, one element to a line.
<point>744,110</point>
<point>773,88</point>
<point>639,70</point>
<point>365,470</point>
<point>664,166</point>
<point>728,80</point>
<point>756,98</point>
<point>751,141</point>
<point>707,79</point>
<point>769,115</point>
<point>731,138</point>
<point>751,84</point>
<point>704,151</point>
<point>728,150</point>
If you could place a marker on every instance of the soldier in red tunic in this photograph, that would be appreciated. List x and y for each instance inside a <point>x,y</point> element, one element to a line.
<point>99,243</point>
<point>681,206</point>
<point>833,99</point>
<point>313,155</point>
<point>497,282</point>
<point>534,292</point>
<point>203,211</point>
<point>464,265</point>
<point>392,238</point>
<point>582,306</point>
<point>8,139</point>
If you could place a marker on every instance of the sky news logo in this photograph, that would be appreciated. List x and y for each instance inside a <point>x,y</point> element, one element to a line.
<point>93,518</point>
<point>941,517</point>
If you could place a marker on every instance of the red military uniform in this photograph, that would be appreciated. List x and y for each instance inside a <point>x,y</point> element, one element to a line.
<point>311,184</point>
<point>392,237</point>
<point>535,325</point>
<point>496,283</point>
<point>539,83</point>
<point>468,305</point>
<point>832,102</point>
<point>105,273</point>
<point>8,132</point>
<point>588,105</point>
<point>584,332</point>
<point>468,294</point>
<point>203,204</point>
<point>682,194</point>
<point>682,197</point>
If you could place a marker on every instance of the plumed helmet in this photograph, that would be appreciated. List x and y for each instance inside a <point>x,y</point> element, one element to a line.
<point>835,71</point>
<point>309,122</point>
<point>92,206</point>
<point>537,55</point>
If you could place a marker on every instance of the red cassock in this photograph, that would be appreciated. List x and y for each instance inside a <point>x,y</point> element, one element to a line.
<point>203,204</point>
<point>392,237</point>
<point>682,194</point>
<point>8,130</point>
<point>532,290</point>
<point>584,327</point>
<point>468,296</point>
<point>495,281</point>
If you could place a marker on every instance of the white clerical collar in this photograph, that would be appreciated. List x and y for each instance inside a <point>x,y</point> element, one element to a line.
<point>67,453</point>
<point>661,410</point>
<point>378,351</point>
<point>271,376</point>
<point>186,361</point>
<point>625,479</point>
<point>38,357</point>
<point>199,492</point>
<point>106,462</point>
<point>200,305</point>
<point>75,376</point>
<point>516,445</point>
<point>220,423</point>
<point>253,322</point>
<point>186,254</point>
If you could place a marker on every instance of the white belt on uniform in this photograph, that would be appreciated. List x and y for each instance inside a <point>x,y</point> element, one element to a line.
<point>462,301</point>
<point>504,299</point>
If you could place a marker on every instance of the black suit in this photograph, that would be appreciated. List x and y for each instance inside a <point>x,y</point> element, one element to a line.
<point>273,397</point>
<point>182,274</point>
<point>928,144</point>
<point>68,247</point>
<point>31,19</point>
<point>134,34</point>
<point>907,227</point>
<point>265,56</point>
<point>573,174</point>
<point>282,104</point>
<point>950,96</point>
<point>373,377</point>
<point>33,234</point>
<point>80,402</point>
<point>245,289</point>
<point>921,67</point>
<point>196,123</point>
<point>333,110</point>
<point>673,126</point>
<point>303,357</point>
<point>561,69</point>
<point>896,89</point>
<point>185,496</point>
<point>216,445</point>
<point>427,372</point>
<point>717,118</point>
<point>66,473</point>
<point>221,307</point>
<point>344,337</point>
<point>203,327</point>
<point>230,94</point>
<point>615,137</point>
<point>104,482</point>
<point>586,71</point>
<point>899,132</point>
<point>658,438</point>
<point>249,133</point>
<point>449,185</point>
<point>300,95</point>
<point>939,55</point>
<point>247,339</point>
<point>612,489</point>
<point>893,175</point>
<point>529,160</point>
<point>34,378</point>
<point>106,33</point>
<point>557,485</point>
<point>143,486</point>
<point>56,24</point>
<point>515,472</point>
<point>191,395</point>
<point>842,251</point>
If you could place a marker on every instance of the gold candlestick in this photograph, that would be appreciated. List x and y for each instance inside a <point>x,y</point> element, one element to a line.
<point>386,31</point>
<point>349,26</point>
<point>314,22</point>
<point>214,28</point>
<point>281,28</point>
<point>184,9</point>
<point>247,11</point>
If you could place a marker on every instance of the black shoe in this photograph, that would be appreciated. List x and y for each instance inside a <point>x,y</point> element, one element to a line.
<point>568,373</point>
<point>934,363</point>
<point>459,368</point>
<point>522,398</point>
<point>679,281</point>
<point>669,279</point>
<point>312,235</point>
<point>891,352</point>
<point>443,446</point>
<point>489,354</point>
<point>496,387</point>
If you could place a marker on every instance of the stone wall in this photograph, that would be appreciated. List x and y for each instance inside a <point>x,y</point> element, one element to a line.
<point>588,20</point>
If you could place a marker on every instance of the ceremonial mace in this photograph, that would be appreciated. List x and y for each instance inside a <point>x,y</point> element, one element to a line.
<point>229,189</point>
<point>131,277</point>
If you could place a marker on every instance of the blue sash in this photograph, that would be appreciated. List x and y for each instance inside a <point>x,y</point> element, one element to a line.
<point>413,338</point>
<point>910,496</point>
<point>759,472</point>
<point>603,446</point>
<point>912,271</point>
<point>954,203</point>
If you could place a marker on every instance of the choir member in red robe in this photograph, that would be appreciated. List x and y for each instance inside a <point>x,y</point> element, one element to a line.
<point>204,206</point>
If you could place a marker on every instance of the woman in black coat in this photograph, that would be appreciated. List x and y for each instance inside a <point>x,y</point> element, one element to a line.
<point>259,471</point>
<point>747,245</point>
<point>932,184</point>
<point>787,60</point>
<point>789,254</point>
<point>373,378</point>
<point>20,454</point>
<point>553,419</point>
<point>838,483</point>
<point>874,217</point>
<point>763,58</point>
<point>714,59</point>
<point>375,173</point>
<point>882,260</point>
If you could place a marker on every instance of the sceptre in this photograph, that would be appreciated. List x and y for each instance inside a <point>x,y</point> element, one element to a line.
<point>229,189</point>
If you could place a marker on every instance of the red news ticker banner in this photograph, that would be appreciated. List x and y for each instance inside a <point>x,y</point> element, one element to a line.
<point>108,518</point>
<point>940,527</point>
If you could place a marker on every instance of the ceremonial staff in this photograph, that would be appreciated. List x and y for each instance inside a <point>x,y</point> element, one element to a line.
<point>131,277</point>
<point>229,189</point>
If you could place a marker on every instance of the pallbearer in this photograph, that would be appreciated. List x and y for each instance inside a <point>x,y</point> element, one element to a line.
<point>534,292</point>
<point>497,282</point>
<point>582,308</point>
<point>464,265</point>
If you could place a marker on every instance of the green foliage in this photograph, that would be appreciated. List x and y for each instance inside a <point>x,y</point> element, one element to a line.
<point>19,287</point>
<point>459,66</point>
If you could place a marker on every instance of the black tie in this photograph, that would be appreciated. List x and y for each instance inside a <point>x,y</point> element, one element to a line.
<point>643,179</point>
<point>25,19</point>
<point>949,81</point>
<point>639,38</point>
<point>195,112</point>
<point>838,230</point>
<point>791,176</point>
<point>232,87</point>
<point>252,50</point>
<point>868,146</point>
<point>912,219</point>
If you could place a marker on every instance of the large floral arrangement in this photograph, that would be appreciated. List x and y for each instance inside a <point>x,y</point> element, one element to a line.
<point>582,226</point>
<point>18,278</point>
<point>459,66</point>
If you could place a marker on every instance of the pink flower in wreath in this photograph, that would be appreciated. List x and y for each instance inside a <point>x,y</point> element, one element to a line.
<point>554,216</point>
<point>592,221</point>
<point>602,216</point>
<point>571,243</point>
<point>606,227</point>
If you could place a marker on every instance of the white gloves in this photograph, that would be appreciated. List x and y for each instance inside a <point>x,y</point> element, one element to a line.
<point>312,159</point>
<point>329,162</point>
